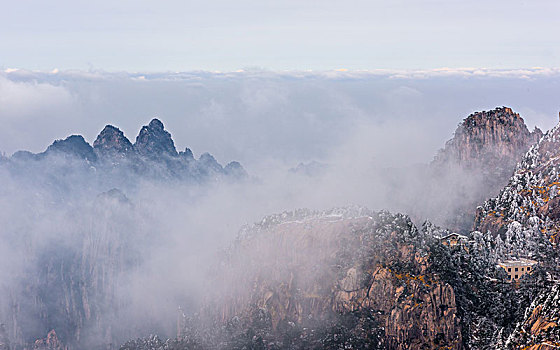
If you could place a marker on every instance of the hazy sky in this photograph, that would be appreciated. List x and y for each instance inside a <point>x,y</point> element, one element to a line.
<point>142,35</point>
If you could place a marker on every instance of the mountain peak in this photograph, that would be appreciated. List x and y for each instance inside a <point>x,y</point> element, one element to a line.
<point>489,137</point>
<point>74,145</point>
<point>156,124</point>
<point>154,141</point>
<point>112,140</point>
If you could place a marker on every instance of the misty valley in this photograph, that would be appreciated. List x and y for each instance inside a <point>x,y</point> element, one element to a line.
<point>128,245</point>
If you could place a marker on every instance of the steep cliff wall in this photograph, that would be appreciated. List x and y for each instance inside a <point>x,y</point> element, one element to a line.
<point>493,139</point>
<point>477,162</point>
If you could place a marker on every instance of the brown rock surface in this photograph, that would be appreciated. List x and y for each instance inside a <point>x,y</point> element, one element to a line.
<point>322,266</point>
<point>51,342</point>
<point>539,330</point>
<point>496,139</point>
<point>478,161</point>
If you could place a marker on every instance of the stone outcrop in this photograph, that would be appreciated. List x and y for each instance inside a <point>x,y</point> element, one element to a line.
<point>51,342</point>
<point>74,284</point>
<point>154,141</point>
<point>114,161</point>
<point>111,141</point>
<point>492,141</point>
<point>74,145</point>
<point>477,162</point>
<point>362,270</point>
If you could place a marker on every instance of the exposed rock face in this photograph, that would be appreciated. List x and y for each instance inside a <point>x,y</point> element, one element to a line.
<point>532,196</point>
<point>51,342</point>
<point>477,162</point>
<point>111,141</point>
<point>187,155</point>
<point>153,141</point>
<point>492,141</point>
<point>74,145</point>
<point>363,272</point>
<point>539,330</point>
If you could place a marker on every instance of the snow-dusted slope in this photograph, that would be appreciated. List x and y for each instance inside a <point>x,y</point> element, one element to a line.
<point>532,196</point>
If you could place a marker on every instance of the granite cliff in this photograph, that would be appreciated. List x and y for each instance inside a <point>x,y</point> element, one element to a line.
<point>477,162</point>
<point>492,141</point>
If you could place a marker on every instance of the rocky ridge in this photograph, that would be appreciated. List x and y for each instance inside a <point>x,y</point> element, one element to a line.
<point>348,278</point>
<point>72,284</point>
<point>112,141</point>
<point>113,156</point>
<point>70,288</point>
<point>154,141</point>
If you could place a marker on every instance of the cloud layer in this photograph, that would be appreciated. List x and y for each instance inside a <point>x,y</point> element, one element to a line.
<point>258,116</point>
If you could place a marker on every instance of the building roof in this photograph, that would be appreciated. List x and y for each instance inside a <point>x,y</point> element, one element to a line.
<point>518,262</point>
<point>454,235</point>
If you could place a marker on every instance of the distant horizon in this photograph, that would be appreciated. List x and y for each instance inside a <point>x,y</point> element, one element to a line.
<point>254,116</point>
<point>443,70</point>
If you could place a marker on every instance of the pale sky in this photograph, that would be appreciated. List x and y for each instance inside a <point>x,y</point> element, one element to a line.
<point>142,35</point>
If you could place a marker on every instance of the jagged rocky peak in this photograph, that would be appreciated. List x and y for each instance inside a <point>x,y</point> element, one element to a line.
<point>478,161</point>
<point>187,155</point>
<point>111,140</point>
<point>153,141</point>
<point>486,137</point>
<point>73,145</point>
